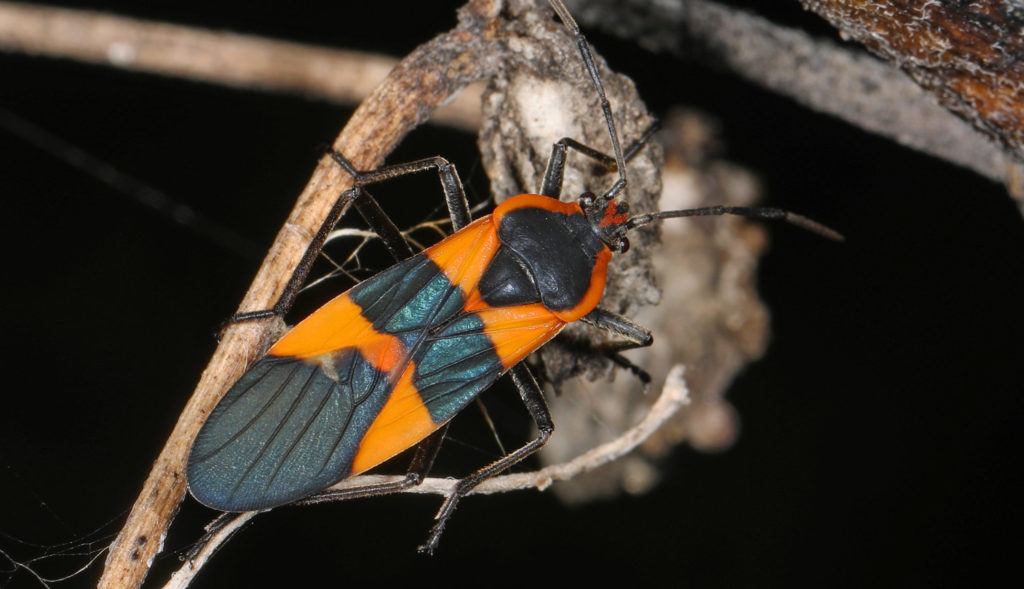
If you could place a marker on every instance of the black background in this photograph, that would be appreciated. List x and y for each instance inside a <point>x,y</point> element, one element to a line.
<point>881,433</point>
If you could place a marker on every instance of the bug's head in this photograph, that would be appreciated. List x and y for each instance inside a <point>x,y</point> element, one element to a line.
<point>609,219</point>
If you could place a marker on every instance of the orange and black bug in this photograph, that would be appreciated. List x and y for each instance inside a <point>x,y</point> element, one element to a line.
<point>386,365</point>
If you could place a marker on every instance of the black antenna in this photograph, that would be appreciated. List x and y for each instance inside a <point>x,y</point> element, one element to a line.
<point>769,213</point>
<point>591,67</point>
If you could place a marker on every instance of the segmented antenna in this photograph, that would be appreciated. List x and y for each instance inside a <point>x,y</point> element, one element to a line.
<point>751,212</point>
<point>769,213</point>
<point>591,67</point>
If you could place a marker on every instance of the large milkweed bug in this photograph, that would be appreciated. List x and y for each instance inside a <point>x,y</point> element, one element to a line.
<point>386,365</point>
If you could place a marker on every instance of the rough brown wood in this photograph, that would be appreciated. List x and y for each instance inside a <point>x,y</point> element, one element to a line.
<point>969,54</point>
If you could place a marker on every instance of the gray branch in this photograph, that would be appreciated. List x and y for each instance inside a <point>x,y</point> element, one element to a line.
<point>817,73</point>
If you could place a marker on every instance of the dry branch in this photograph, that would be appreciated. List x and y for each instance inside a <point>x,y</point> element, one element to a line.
<point>218,57</point>
<point>816,73</point>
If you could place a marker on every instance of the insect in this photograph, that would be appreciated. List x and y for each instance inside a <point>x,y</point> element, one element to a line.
<point>384,367</point>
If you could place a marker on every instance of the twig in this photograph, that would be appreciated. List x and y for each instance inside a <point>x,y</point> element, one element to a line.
<point>218,57</point>
<point>431,74</point>
<point>674,396</point>
<point>184,575</point>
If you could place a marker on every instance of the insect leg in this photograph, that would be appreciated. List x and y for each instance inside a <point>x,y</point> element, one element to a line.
<point>298,278</point>
<point>422,460</point>
<point>455,195</point>
<point>591,67</point>
<point>532,397</point>
<point>376,218</point>
<point>636,336</point>
<point>556,163</point>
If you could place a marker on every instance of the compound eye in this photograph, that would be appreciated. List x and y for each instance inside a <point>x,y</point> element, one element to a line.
<point>623,245</point>
<point>587,200</point>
